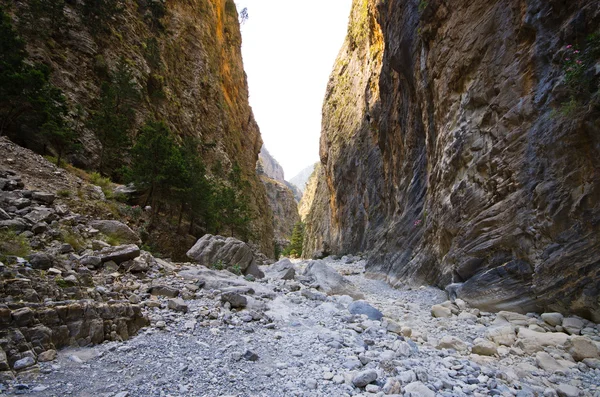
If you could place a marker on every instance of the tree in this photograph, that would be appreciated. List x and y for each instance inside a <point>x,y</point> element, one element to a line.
<point>43,17</point>
<point>60,135</point>
<point>233,205</point>
<point>29,103</point>
<point>114,117</point>
<point>99,12</point>
<point>157,164</point>
<point>244,15</point>
<point>296,242</point>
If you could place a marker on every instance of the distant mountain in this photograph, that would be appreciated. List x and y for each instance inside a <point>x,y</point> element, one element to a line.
<point>269,166</point>
<point>302,177</point>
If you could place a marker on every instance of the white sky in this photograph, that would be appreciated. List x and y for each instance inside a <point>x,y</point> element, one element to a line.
<point>289,49</point>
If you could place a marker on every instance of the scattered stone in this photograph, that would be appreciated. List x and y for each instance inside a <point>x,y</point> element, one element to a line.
<point>120,254</point>
<point>178,305</point>
<point>484,347</point>
<point>363,378</point>
<point>48,355</point>
<point>44,197</point>
<point>547,362</point>
<point>417,389</point>
<point>440,311</point>
<point>116,230</point>
<point>23,363</point>
<point>326,279</point>
<point>250,356</point>
<point>566,390</point>
<point>234,299</point>
<point>452,342</point>
<point>552,319</point>
<point>40,261</point>
<point>164,290</point>
<point>362,307</point>
<point>581,347</point>
<point>572,325</point>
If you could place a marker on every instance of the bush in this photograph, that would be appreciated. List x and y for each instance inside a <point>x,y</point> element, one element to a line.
<point>12,244</point>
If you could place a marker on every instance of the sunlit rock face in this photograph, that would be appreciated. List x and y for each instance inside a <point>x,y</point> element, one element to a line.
<point>449,156</point>
<point>192,52</point>
<point>280,197</point>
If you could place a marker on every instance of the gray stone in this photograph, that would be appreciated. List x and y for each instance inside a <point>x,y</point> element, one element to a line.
<point>93,262</point>
<point>484,347</point>
<point>581,347</point>
<point>566,390</point>
<point>234,299</point>
<point>440,311</point>
<point>363,378</point>
<point>43,197</point>
<point>40,214</point>
<point>3,215</point>
<point>39,228</point>
<point>452,342</point>
<point>164,290</point>
<point>250,356</point>
<point>282,270</point>
<point>117,230</point>
<point>418,389</point>
<point>553,319</point>
<point>546,362</point>
<point>362,307</point>
<point>41,261</point>
<point>23,363</point>
<point>326,279</point>
<point>572,325</point>
<point>210,249</point>
<point>120,253</point>
<point>178,305</point>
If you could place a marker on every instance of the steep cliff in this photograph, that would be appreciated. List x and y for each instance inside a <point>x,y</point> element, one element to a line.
<point>461,143</point>
<point>185,61</point>
<point>281,198</point>
<point>300,180</point>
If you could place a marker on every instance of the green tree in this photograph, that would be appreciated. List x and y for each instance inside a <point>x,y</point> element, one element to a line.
<point>98,13</point>
<point>43,17</point>
<point>114,117</point>
<point>29,103</point>
<point>157,164</point>
<point>233,205</point>
<point>57,131</point>
<point>296,242</point>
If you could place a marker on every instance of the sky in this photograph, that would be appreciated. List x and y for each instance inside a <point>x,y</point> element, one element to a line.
<point>289,49</point>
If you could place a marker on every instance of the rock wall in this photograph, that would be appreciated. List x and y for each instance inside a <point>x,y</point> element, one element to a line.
<point>269,166</point>
<point>187,65</point>
<point>457,148</point>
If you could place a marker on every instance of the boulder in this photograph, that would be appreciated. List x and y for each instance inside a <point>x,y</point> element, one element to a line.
<point>581,348</point>
<point>282,270</point>
<point>116,230</point>
<point>40,214</point>
<point>484,347</point>
<point>210,249</point>
<point>254,271</point>
<point>326,279</point>
<point>566,390</point>
<point>120,253</point>
<point>513,318</point>
<point>452,342</point>
<point>552,319</point>
<point>362,307</point>
<point>532,342</point>
<point>440,311</point>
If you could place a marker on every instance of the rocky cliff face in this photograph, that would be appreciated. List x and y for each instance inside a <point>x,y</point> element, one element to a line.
<point>300,180</point>
<point>460,144</point>
<point>186,62</point>
<point>281,198</point>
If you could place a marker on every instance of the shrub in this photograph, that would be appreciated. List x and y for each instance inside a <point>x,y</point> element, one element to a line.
<point>12,244</point>
<point>64,193</point>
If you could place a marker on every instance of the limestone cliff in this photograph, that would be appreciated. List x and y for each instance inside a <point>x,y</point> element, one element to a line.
<point>281,198</point>
<point>186,62</point>
<point>461,143</point>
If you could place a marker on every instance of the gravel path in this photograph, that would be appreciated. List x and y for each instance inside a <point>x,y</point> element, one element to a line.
<point>295,341</point>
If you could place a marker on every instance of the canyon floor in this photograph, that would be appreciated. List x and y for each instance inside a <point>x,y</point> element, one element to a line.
<point>288,339</point>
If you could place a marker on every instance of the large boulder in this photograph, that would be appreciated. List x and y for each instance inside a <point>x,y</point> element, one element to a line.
<point>282,270</point>
<point>362,307</point>
<point>117,230</point>
<point>532,342</point>
<point>229,251</point>
<point>326,279</point>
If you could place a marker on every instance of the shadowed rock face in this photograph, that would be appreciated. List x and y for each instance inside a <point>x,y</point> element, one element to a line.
<point>447,153</point>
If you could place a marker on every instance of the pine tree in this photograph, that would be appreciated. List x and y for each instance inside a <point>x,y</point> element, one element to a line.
<point>297,240</point>
<point>114,118</point>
